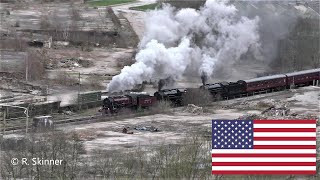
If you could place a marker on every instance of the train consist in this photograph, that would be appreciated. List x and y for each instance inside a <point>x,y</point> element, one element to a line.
<point>222,90</point>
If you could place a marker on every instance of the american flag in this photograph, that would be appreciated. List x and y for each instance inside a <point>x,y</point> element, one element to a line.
<point>263,146</point>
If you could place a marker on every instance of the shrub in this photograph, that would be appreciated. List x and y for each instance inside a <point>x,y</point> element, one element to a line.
<point>36,64</point>
<point>65,79</point>
<point>161,107</point>
<point>197,97</point>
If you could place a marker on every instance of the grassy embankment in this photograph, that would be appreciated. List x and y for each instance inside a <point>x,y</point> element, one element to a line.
<point>108,2</point>
<point>146,7</point>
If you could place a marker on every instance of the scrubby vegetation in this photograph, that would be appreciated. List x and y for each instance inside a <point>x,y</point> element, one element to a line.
<point>197,97</point>
<point>191,159</point>
<point>108,2</point>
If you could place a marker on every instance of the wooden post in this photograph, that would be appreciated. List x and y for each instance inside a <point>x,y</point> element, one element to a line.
<point>27,121</point>
<point>4,121</point>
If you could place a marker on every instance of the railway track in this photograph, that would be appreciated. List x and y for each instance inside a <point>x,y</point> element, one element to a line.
<point>100,118</point>
<point>77,120</point>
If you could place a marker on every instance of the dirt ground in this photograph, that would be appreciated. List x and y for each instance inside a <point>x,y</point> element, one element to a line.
<point>104,60</point>
<point>136,18</point>
<point>177,124</point>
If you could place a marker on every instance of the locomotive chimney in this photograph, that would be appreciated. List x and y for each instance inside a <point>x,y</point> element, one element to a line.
<point>161,83</point>
<point>203,78</point>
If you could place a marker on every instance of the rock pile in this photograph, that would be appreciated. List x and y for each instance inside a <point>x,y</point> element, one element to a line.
<point>191,108</point>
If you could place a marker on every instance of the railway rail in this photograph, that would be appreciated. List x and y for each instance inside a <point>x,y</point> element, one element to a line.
<point>19,128</point>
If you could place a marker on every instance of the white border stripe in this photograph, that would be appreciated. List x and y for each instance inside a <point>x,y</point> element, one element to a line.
<point>266,159</point>
<point>284,126</point>
<point>284,134</point>
<point>264,168</point>
<point>284,143</point>
<point>263,151</point>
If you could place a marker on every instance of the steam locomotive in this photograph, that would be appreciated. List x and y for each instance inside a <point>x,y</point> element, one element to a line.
<point>224,90</point>
<point>113,104</point>
<point>173,95</point>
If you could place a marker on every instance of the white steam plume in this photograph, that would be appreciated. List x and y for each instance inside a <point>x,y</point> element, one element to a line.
<point>157,60</point>
<point>177,43</point>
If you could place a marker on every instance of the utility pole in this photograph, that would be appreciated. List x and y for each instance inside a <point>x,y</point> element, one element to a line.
<point>79,91</point>
<point>27,69</point>
<point>26,112</point>
<point>4,121</point>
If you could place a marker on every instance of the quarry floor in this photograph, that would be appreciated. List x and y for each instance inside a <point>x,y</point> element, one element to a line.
<point>178,124</point>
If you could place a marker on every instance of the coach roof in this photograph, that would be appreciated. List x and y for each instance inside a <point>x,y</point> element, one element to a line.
<point>304,72</point>
<point>266,78</point>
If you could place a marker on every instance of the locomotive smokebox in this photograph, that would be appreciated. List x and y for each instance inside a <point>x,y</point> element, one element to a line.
<point>161,83</point>
<point>204,78</point>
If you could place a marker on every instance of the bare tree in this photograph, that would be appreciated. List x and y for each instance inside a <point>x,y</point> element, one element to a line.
<point>36,62</point>
<point>44,21</point>
<point>198,97</point>
<point>65,79</point>
<point>50,145</point>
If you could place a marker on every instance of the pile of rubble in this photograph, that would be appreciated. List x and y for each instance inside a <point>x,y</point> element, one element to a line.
<point>191,108</point>
<point>74,63</point>
<point>276,111</point>
<point>250,117</point>
<point>147,128</point>
<point>128,130</point>
<point>266,103</point>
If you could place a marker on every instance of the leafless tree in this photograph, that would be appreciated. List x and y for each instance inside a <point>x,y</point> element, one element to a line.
<point>36,62</point>
<point>65,79</point>
<point>197,97</point>
<point>50,145</point>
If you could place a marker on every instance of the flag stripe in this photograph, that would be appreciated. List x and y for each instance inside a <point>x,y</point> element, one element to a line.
<point>284,121</point>
<point>284,138</point>
<point>284,143</point>
<point>284,134</point>
<point>284,146</point>
<point>284,126</point>
<point>285,130</point>
<point>265,168</point>
<point>264,155</point>
<point>264,172</point>
<point>264,151</point>
<point>263,163</point>
<point>263,159</point>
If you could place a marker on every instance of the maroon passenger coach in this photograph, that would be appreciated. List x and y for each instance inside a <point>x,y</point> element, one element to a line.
<point>303,78</point>
<point>266,83</point>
